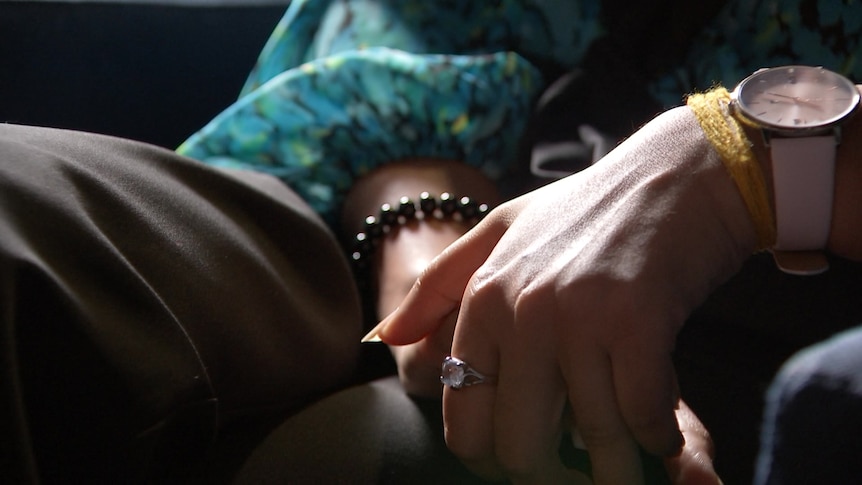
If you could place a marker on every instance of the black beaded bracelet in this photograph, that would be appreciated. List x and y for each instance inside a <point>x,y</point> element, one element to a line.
<point>389,218</point>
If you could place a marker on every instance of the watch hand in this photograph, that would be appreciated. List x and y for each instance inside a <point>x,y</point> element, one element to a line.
<point>781,95</point>
<point>796,99</point>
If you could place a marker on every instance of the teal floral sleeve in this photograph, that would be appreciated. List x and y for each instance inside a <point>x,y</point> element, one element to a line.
<point>344,86</point>
<point>320,126</point>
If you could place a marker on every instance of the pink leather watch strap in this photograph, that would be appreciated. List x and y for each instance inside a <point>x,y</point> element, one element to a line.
<point>803,181</point>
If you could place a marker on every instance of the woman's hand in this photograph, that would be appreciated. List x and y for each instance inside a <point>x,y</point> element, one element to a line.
<point>406,252</point>
<point>575,293</point>
<point>693,466</point>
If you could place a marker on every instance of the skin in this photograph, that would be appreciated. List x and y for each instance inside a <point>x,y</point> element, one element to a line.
<point>529,289</point>
<point>405,255</point>
<point>575,293</point>
<point>535,324</point>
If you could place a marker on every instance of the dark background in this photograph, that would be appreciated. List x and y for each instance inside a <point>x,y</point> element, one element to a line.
<point>152,71</point>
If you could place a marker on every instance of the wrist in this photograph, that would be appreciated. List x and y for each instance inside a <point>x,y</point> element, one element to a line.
<point>724,201</point>
<point>845,236</point>
<point>729,138</point>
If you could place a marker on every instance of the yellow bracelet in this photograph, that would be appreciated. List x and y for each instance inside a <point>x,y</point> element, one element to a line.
<point>723,131</point>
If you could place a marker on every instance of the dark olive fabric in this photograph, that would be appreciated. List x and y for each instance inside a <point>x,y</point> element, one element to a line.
<point>146,301</point>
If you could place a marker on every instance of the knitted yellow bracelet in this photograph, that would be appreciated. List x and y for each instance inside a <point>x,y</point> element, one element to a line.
<point>723,131</point>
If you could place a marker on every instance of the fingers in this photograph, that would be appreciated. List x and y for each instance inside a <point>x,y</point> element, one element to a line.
<point>468,413</point>
<point>622,392</point>
<point>528,431</point>
<point>522,437</point>
<point>645,384</point>
<point>512,429</point>
<point>419,363</point>
<point>614,455</point>
<point>439,290</point>
<point>693,466</point>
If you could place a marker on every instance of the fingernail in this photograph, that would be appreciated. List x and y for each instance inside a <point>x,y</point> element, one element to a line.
<point>374,334</point>
<point>371,338</point>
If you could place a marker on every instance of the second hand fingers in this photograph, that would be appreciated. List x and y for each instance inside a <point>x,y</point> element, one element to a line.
<point>439,290</point>
<point>645,383</point>
<point>614,455</point>
<point>531,399</point>
<point>694,464</point>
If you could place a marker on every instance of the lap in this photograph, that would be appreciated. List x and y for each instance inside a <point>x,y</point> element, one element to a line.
<point>146,298</point>
<point>371,433</point>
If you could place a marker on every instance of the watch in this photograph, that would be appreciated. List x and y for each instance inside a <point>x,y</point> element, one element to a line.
<point>799,110</point>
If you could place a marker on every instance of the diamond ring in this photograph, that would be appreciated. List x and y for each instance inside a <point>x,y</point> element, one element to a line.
<point>457,374</point>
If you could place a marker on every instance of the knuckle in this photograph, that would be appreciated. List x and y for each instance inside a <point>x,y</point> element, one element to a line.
<point>655,434</point>
<point>518,462</point>
<point>466,448</point>
<point>603,437</point>
<point>660,441</point>
<point>485,289</point>
<point>649,421</point>
<point>536,299</point>
<point>654,427</point>
<point>419,370</point>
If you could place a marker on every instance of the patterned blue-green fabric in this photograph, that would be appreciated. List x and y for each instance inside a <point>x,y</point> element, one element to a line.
<point>344,86</point>
<point>321,126</point>
<point>750,34</point>
<point>542,30</point>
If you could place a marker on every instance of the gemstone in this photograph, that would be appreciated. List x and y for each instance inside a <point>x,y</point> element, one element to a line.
<point>452,373</point>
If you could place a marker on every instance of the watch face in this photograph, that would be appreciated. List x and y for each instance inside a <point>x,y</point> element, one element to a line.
<point>796,98</point>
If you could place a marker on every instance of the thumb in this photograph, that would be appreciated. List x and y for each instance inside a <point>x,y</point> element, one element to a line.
<point>439,289</point>
<point>694,465</point>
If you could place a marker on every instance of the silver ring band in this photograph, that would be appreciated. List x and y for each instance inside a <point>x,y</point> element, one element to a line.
<point>457,374</point>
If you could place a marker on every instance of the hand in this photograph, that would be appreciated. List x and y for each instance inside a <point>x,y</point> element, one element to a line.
<point>693,466</point>
<point>406,252</point>
<point>575,292</point>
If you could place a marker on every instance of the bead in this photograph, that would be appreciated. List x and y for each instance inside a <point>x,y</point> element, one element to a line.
<point>388,215</point>
<point>360,261</point>
<point>468,208</point>
<point>363,244</point>
<point>376,227</point>
<point>448,204</point>
<point>373,228</point>
<point>407,208</point>
<point>427,203</point>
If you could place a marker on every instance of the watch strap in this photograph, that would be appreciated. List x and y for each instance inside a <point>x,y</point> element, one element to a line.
<point>803,180</point>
